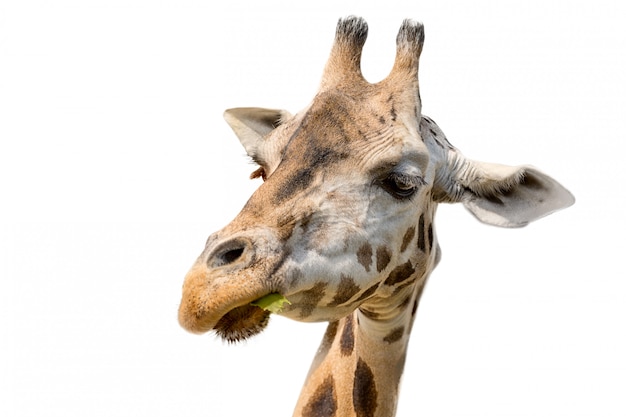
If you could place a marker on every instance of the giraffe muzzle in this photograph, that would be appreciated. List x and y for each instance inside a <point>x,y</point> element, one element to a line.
<point>229,275</point>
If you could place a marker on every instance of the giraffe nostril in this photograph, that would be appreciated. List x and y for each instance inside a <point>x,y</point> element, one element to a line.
<point>230,252</point>
<point>231,256</point>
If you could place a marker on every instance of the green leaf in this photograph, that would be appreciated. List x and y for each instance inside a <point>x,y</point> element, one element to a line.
<point>271,302</point>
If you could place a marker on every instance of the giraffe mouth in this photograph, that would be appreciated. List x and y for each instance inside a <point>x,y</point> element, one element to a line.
<point>214,303</point>
<point>242,323</point>
<point>220,297</point>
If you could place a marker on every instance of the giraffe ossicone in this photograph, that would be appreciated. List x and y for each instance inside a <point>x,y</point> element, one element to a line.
<point>342,225</point>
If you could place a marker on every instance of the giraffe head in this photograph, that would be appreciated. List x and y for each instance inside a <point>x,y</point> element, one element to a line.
<point>344,217</point>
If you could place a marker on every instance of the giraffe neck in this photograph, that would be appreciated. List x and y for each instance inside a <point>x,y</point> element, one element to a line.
<point>357,369</point>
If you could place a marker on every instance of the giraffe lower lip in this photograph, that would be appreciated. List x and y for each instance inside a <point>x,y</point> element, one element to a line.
<point>241,323</point>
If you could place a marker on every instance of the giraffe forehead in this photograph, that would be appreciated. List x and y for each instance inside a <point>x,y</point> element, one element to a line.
<point>339,122</point>
<point>355,133</point>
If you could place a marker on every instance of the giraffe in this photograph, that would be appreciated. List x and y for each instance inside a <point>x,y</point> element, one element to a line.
<point>342,224</point>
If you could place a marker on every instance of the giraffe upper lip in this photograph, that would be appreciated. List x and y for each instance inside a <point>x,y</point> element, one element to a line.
<point>209,297</point>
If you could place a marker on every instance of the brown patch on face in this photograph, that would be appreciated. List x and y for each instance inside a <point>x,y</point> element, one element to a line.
<point>364,393</point>
<point>408,237</point>
<point>430,237</point>
<point>311,299</point>
<point>323,403</point>
<point>394,335</point>
<point>346,290</point>
<point>296,183</point>
<point>364,255</point>
<point>347,337</point>
<point>317,143</point>
<point>421,238</point>
<point>400,273</point>
<point>382,258</point>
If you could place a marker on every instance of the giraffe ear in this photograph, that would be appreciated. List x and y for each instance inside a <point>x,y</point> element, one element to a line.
<point>252,124</point>
<point>505,196</point>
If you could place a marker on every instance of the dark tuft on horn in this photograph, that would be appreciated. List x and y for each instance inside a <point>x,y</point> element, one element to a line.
<point>344,63</point>
<point>409,44</point>
<point>352,30</point>
<point>411,37</point>
<point>403,77</point>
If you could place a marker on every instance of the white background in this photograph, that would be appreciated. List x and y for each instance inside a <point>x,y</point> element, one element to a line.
<point>116,165</point>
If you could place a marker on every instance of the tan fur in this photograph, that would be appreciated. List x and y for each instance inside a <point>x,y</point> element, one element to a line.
<point>343,224</point>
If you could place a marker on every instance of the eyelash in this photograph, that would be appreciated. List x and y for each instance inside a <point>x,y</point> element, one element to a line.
<point>401,186</point>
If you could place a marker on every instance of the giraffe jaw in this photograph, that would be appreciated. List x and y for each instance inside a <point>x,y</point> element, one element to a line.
<point>241,323</point>
<point>249,320</point>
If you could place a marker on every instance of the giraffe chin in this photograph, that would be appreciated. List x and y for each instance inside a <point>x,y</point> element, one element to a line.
<point>241,323</point>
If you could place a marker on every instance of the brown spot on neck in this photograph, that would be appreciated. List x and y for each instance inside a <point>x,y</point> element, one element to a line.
<point>394,335</point>
<point>347,337</point>
<point>329,335</point>
<point>364,393</point>
<point>323,402</point>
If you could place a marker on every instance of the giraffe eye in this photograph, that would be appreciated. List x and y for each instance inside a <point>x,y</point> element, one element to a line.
<point>401,186</point>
